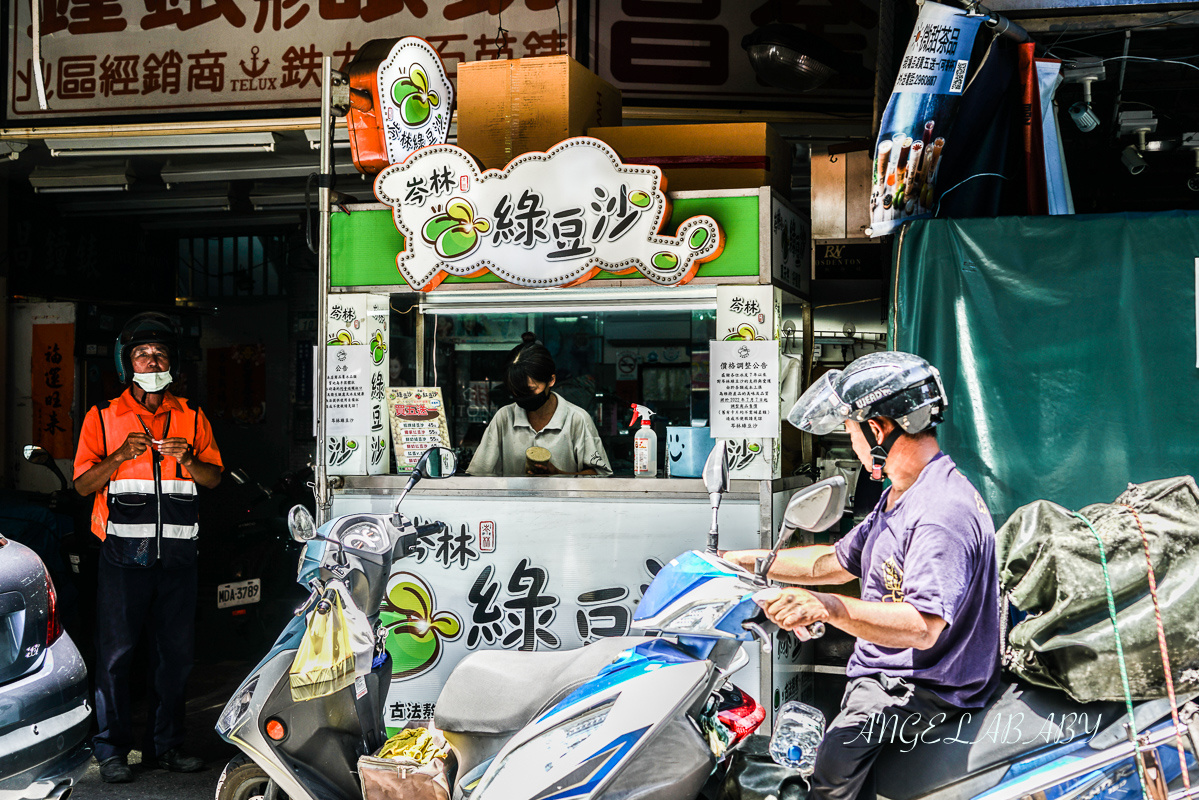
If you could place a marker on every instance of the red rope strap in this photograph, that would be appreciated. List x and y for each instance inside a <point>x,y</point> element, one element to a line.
<point>1161,643</point>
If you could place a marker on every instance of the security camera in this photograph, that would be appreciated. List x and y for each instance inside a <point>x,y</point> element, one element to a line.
<point>1084,117</point>
<point>1132,160</point>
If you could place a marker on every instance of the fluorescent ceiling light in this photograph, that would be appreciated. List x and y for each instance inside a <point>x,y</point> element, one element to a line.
<point>199,143</point>
<point>566,301</point>
<point>100,176</point>
<point>341,138</point>
<point>178,171</point>
<point>151,203</point>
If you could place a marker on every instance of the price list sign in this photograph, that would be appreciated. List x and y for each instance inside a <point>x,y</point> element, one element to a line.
<point>418,422</point>
<point>745,390</point>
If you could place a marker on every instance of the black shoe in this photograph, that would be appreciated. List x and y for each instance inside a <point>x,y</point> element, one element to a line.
<point>115,770</point>
<point>174,760</point>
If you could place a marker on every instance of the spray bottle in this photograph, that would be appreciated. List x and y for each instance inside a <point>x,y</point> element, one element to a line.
<point>645,444</point>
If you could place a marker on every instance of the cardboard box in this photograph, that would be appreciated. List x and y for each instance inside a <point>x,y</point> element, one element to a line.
<point>514,106</point>
<point>739,155</point>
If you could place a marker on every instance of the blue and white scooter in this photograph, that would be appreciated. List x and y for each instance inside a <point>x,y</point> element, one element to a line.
<point>308,750</point>
<point>655,718</point>
<point>627,717</point>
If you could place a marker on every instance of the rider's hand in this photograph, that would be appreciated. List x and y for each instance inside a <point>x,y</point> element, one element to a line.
<point>176,447</point>
<point>792,609</point>
<point>135,444</point>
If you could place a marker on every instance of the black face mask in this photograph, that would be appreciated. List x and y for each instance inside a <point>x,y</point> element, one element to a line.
<point>533,402</point>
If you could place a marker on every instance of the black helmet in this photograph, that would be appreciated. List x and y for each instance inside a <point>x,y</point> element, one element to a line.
<point>900,386</point>
<point>149,327</point>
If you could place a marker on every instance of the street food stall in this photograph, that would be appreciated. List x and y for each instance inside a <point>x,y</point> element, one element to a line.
<point>598,259</point>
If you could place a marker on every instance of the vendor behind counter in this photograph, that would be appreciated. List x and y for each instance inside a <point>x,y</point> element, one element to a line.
<point>539,418</point>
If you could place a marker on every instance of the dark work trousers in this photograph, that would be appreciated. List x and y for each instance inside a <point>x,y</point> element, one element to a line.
<point>876,711</point>
<point>163,602</point>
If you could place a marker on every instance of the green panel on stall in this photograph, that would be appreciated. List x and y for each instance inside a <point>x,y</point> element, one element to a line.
<point>1067,347</point>
<point>366,242</point>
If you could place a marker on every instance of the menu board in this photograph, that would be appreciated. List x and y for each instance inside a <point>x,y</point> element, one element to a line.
<point>418,422</point>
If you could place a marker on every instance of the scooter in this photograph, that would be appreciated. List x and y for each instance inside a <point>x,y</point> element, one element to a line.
<point>309,749</point>
<point>655,718</point>
<point>628,717</point>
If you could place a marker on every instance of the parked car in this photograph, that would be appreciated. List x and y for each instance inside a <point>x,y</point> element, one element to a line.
<point>44,701</point>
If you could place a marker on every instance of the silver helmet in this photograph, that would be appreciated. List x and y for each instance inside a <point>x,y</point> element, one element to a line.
<point>900,386</point>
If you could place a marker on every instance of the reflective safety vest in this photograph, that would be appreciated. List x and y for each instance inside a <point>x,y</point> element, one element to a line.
<point>148,510</point>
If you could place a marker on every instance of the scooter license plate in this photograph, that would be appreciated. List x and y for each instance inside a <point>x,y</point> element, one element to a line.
<point>241,593</point>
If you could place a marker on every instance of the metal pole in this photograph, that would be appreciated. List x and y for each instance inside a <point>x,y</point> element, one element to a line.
<point>323,501</point>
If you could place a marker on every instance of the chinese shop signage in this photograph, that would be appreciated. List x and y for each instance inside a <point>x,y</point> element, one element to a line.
<point>146,56</point>
<point>547,219</point>
<point>410,97</point>
<point>915,126</point>
<point>53,387</point>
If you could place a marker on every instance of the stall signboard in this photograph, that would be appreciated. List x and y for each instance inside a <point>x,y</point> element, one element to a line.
<point>411,101</point>
<point>916,125</point>
<point>418,421</point>
<point>356,365</point>
<point>121,57</point>
<point>548,219</point>
<point>506,573</point>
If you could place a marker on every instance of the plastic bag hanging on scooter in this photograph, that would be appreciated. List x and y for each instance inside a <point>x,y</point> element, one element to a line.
<point>324,662</point>
<point>359,630</point>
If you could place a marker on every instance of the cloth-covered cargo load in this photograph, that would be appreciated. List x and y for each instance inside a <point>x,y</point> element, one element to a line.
<point>1050,569</point>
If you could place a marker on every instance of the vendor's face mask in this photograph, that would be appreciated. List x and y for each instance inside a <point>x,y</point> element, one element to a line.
<point>533,402</point>
<point>152,382</point>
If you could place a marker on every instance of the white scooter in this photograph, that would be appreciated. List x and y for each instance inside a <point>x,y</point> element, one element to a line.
<point>308,750</point>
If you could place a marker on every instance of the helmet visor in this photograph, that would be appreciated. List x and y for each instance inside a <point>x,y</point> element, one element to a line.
<point>820,410</point>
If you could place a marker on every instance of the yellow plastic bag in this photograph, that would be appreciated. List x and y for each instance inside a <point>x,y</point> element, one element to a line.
<point>324,662</point>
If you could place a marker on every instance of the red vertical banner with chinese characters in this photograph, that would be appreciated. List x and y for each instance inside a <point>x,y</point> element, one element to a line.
<point>53,358</point>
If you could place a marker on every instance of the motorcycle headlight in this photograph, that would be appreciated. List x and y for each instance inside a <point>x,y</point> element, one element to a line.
<point>699,618</point>
<point>236,709</point>
<point>548,749</point>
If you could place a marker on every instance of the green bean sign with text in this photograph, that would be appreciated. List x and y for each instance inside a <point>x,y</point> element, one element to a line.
<point>548,219</point>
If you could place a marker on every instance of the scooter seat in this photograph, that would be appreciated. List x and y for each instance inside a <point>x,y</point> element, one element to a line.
<point>495,692</point>
<point>971,753</point>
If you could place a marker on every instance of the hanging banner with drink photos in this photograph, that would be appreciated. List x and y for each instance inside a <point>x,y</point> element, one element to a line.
<point>917,123</point>
<point>547,219</point>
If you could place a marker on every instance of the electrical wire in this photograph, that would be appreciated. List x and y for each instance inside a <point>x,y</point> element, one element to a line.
<point>850,303</point>
<point>411,308</point>
<point>1156,60</point>
<point>1155,24</point>
<point>945,194</point>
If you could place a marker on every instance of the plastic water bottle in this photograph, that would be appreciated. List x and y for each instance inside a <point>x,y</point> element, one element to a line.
<point>798,729</point>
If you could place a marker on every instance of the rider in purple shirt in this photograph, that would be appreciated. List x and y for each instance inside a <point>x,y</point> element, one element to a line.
<point>927,622</point>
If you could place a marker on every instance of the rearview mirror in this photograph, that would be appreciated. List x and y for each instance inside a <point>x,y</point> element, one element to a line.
<point>716,469</point>
<point>300,523</point>
<point>812,508</point>
<point>437,462</point>
<point>815,507</point>
<point>36,455</point>
<point>40,457</point>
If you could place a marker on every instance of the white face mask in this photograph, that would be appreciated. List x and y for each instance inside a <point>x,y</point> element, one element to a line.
<point>152,382</point>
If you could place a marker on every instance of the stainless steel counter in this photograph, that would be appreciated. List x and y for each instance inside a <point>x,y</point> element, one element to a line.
<point>582,487</point>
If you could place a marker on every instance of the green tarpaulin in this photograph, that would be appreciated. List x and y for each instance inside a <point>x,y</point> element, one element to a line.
<point>1067,346</point>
